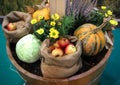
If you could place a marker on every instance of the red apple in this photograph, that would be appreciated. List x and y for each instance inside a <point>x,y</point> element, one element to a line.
<point>50,48</point>
<point>11,27</point>
<point>70,49</point>
<point>56,44</point>
<point>63,42</point>
<point>57,52</point>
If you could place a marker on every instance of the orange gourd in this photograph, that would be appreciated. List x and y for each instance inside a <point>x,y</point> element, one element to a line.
<point>92,42</point>
<point>45,12</point>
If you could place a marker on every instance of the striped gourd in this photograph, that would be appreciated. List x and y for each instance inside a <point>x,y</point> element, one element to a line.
<point>93,41</point>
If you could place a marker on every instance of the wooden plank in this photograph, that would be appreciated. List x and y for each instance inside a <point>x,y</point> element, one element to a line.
<point>58,6</point>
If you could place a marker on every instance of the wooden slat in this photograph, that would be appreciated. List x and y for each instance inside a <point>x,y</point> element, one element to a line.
<point>58,6</point>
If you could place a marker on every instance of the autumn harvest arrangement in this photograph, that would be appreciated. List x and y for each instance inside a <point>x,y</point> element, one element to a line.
<point>59,44</point>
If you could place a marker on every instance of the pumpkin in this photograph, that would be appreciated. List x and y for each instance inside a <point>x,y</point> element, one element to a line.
<point>45,12</point>
<point>92,42</point>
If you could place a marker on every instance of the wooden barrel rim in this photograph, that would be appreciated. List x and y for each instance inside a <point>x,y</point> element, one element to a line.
<point>23,71</point>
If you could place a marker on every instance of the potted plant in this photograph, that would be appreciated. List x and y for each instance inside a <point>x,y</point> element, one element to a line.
<point>36,58</point>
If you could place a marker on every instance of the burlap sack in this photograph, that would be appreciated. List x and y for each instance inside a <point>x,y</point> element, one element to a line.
<point>22,22</point>
<point>60,67</point>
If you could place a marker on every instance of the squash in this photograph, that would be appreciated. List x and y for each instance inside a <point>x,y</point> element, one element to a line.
<point>45,12</point>
<point>93,41</point>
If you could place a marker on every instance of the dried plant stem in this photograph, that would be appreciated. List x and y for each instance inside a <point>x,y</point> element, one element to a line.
<point>105,21</point>
<point>80,7</point>
<point>95,30</point>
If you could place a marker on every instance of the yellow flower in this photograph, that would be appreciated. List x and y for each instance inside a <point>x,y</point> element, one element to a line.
<point>106,15</point>
<point>33,21</point>
<point>52,29</point>
<point>40,18</point>
<point>54,34</point>
<point>103,7</point>
<point>113,22</point>
<point>109,12</point>
<point>55,16</point>
<point>52,23</point>
<point>40,31</point>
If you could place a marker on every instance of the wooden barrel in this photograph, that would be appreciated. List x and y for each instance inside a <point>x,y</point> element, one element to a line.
<point>90,77</point>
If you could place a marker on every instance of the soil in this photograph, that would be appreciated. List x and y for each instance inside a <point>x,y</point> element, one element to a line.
<point>88,62</point>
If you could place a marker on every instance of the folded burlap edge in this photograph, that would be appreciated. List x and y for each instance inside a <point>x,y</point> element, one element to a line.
<point>15,16</point>
<point>51,71</point>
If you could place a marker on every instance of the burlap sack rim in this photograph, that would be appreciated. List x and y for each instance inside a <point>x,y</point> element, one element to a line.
<point>65,61</point>
<point>12,36</point>
<point>63,57</point>
<point>14,12</point>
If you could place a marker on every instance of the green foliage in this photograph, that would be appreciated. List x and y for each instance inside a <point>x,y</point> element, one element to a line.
<point>61,27</point>
<point>44,25</point>
<point>113,4</point>
<point>96,18</point>
<point>15,5</point>
<point>67,25</point>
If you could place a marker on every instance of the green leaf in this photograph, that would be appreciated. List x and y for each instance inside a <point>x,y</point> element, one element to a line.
<point>67,24</point>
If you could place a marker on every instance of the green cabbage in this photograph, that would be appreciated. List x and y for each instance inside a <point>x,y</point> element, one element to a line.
<point>28,48</point>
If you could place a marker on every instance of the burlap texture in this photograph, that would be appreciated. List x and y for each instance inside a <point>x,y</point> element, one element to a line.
<point>22,22</point>
<point>60,67</point>
<point>54,71</point>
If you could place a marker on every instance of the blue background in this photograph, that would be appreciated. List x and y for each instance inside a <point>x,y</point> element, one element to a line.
<point>111,74</point>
